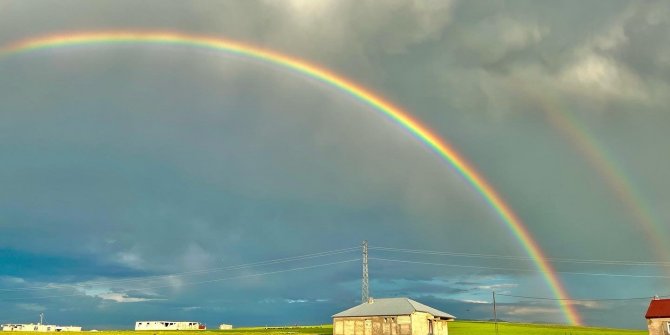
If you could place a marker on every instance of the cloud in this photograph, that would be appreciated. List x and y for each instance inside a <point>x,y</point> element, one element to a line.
<point>134,161</point>
<point>494,287</point>
<point>31,307</point>
<point>10,280</point>
<point>130,259</point>
<point>196,257</point>
<point>296,301</point>
<point>597,76</point>
<point>476,301</point>
<point>121,297</point>
<point>494,39</point>
<point>588,304</point>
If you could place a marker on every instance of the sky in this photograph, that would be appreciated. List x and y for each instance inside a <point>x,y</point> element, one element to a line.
<point>159,182</point>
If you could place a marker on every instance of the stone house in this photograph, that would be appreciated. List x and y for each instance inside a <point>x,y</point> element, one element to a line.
<point>658,317</point>
<point>391,316</point>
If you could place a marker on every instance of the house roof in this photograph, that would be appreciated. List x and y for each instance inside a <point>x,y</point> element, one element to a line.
<point>658,308</point>
<point>391,306</point>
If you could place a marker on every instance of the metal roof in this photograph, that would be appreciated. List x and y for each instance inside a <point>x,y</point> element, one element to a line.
<point>391,306</point>
<point>658,308</point>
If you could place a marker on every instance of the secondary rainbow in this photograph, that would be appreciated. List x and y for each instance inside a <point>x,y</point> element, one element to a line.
<point>596,155</point>
<point>440,146</point>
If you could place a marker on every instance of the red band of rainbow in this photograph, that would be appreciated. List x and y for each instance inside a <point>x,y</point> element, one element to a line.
<point>423,133</point>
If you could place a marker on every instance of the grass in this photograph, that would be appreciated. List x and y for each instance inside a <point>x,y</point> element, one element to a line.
<point>484,328</point>
<point>455,328</point>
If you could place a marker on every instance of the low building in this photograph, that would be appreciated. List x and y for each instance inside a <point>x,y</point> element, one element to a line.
<point>224,326</point>
<point>391,316</point>
<point>31,327</point>
<point>658,317</point>
<point>169,325</point>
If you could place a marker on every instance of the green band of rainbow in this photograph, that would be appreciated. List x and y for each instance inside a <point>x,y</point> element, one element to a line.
<point>433,141</point>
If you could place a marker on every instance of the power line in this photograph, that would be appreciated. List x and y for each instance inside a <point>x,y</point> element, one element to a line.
<point>517,269</point>
<point>194,283</point>
<point>186,273</point>
<point>178,274</point>
<point>558,260</point>
<point>594,299</point>
<point>335,252</point>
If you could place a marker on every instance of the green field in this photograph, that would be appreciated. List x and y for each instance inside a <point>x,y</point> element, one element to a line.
<point>455,328</point>
<point>474,328</point>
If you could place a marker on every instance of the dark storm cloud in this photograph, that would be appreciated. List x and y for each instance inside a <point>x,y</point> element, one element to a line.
<point>132,160</point>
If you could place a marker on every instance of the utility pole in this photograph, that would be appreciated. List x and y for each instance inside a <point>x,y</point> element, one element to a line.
<point>365,294</point>
<point>41,318</point>
<point>495,315</point>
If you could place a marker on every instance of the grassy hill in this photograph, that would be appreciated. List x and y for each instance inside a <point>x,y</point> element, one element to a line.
<point>455,328</point>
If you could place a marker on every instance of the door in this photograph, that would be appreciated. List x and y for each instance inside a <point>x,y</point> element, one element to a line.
<point>368,327</point>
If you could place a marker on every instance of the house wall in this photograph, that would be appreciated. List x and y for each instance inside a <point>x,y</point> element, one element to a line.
<point>415,324</point>
<point>421,324</point>
<point>658,326</point>
<point>373,325</point>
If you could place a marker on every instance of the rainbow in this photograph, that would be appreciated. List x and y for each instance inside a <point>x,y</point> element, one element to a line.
<point>441,147</point>
<point>596,156</point>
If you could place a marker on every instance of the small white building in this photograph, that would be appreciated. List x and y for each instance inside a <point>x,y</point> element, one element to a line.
<point>224,326</point>
<point>31,327</point>
<point>169,325</point>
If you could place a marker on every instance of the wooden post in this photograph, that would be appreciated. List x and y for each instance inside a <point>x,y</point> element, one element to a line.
<point>495,314</point>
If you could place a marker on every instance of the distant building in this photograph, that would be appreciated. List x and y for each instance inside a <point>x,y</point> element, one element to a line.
<point>31,327</point>
<point>658,317</point>
<point>169,325</point>
<point>224,326</point>
<point>391,316</point>
<point>39,327</point>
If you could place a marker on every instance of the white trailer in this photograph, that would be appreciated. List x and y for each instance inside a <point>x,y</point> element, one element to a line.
<point>169,325</point>
<point>31,327</point>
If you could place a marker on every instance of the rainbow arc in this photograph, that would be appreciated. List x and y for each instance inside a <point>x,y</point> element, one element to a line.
<point>437,144</point>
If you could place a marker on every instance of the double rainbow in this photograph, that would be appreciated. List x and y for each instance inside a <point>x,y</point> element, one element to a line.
<point>597,156</point>
<point>402,118</point>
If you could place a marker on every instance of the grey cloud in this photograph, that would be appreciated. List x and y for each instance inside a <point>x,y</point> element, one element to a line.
<point>165,158</point>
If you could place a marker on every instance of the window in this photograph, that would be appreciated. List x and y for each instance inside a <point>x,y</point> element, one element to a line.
<point>667,325</point>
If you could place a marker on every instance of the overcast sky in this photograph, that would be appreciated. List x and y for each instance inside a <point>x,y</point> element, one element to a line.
<point>123,164</point>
